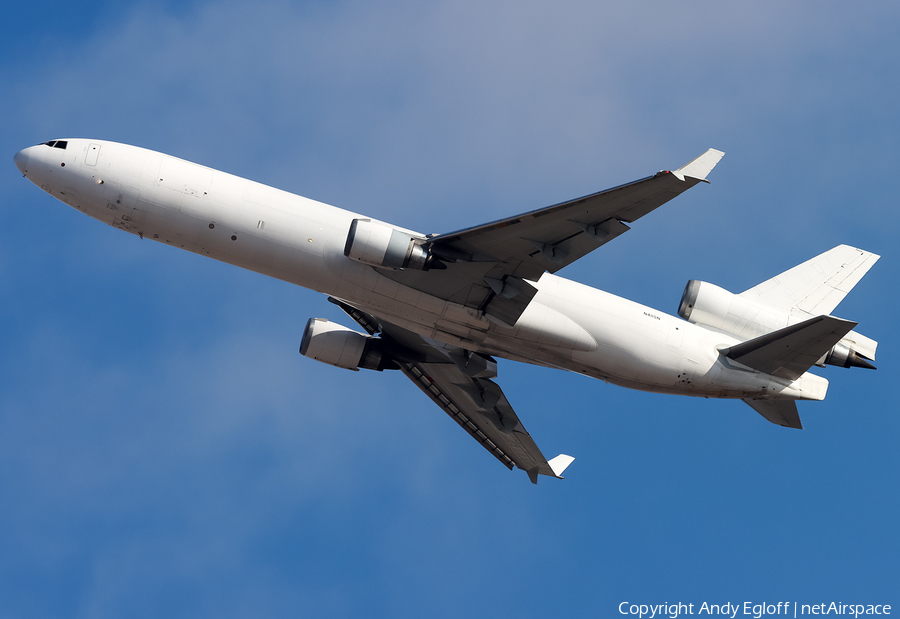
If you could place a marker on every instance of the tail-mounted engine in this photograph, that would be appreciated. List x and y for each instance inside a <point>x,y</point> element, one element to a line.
<point>337,345</point>
<point>709,305</point>
<point>381,245</point>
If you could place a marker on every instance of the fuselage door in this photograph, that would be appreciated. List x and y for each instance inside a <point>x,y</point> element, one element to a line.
<point>93,152</point>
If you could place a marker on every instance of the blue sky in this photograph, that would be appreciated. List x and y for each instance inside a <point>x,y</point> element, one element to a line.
<point>164,449</point>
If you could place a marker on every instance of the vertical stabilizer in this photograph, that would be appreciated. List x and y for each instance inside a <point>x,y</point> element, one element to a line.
<point>818,285</point>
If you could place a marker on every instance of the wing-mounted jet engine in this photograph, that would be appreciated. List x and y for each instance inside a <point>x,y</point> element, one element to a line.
<point>339,346</point>
<point>380,245</point>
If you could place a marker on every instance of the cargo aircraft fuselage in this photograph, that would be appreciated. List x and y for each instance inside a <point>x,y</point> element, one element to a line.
<point>442,307</point>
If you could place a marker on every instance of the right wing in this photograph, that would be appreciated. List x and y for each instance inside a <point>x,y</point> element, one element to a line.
<point>459,382</point>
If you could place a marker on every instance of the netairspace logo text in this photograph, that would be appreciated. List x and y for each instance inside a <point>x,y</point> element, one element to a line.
<point>751,609</point>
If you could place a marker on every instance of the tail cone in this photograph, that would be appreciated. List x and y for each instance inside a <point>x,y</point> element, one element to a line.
<point>856,360</point>
<point>845,357</point>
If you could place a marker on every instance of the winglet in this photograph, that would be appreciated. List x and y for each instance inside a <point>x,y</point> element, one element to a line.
<point>559,464</point>
<point>701,166</point>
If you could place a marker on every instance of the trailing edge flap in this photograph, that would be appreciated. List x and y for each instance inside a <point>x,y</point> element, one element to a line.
<point>477,404</point>
<point>780,412</point>
<point>790,352</point>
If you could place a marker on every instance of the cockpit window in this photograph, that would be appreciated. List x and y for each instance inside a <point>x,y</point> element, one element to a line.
<point>57,144</point>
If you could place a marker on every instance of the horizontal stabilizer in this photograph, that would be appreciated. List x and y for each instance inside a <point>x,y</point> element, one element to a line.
<point>790,352</point>
<point>780,412</point>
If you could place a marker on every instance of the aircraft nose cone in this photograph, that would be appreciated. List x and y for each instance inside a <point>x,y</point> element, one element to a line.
<point>21,160</point>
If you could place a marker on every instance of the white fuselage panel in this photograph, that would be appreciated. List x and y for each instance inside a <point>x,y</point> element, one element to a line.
<point>282,235</point>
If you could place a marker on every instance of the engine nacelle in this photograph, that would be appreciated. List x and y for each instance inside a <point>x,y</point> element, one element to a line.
<point>381,245</point>
<point>337,345</point>
<point>707,304</point>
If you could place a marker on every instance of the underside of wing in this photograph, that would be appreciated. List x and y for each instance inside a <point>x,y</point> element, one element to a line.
<point>458,381</point>
<point>479,406</point>
<point>489,267</point>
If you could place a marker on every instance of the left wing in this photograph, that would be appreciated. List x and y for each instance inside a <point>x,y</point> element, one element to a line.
<point>488,266</point>
<point>459,382</point>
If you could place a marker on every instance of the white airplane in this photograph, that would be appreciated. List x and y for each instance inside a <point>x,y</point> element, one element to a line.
<point>441,307</point>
